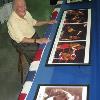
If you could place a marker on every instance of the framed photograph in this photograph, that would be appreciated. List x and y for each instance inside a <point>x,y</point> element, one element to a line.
<point>62,92</point>
<point>77,1</point>
<point>72,41</point>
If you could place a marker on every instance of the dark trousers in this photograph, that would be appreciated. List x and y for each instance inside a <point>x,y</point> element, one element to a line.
<point>28,49</point>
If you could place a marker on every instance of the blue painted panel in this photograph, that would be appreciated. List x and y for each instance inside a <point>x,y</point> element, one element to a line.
<point>70,74</point>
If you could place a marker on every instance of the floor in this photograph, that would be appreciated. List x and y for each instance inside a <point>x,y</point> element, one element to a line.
<point>10,85</point>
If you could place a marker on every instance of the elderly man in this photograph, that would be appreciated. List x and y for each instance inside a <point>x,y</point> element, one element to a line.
<point>22,32</point>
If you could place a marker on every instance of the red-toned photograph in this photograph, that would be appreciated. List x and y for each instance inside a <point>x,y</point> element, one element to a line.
<point>69,52</point>
<point>72,41</point>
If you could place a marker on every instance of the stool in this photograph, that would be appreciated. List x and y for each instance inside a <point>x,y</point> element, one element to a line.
<point>21,63</point>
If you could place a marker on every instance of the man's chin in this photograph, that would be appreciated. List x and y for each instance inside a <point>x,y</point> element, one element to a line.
<point>22,15</point>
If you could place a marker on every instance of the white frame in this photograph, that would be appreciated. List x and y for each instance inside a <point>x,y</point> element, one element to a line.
<point>87,48</point>
<point>75,1</point>
<point>41,90</point>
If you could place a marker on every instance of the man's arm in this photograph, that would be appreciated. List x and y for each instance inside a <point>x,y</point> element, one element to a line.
<point>40,23</point>
<point>39,41</point>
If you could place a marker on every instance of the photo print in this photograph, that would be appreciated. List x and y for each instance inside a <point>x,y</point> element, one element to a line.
<point>59,92</point>
<point>72,41</point>
<point>69,52</point>
<point>73,32</point>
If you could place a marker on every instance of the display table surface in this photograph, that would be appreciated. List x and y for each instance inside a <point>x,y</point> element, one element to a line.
<point>80,74</point>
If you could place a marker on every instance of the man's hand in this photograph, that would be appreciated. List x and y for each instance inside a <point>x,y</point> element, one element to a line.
<point>52,22</point>
<point>42,40</point>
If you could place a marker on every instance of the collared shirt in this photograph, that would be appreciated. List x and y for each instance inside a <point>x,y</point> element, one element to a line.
<point>18,27</point>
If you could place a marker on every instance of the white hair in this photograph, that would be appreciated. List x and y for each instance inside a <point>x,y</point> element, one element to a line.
<point>15,2</point>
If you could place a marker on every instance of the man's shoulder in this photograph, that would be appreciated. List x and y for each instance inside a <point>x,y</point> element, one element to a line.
<point>28,13</point>
<point>13,17</point>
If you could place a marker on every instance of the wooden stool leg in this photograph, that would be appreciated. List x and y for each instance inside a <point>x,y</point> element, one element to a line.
<point>20,65</point>
<point>21,74</point>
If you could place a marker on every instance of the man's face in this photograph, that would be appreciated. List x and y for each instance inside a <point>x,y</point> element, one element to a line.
<point>21,8</point>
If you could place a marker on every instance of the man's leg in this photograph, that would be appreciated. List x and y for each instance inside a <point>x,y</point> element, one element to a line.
<point>29,51</point>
